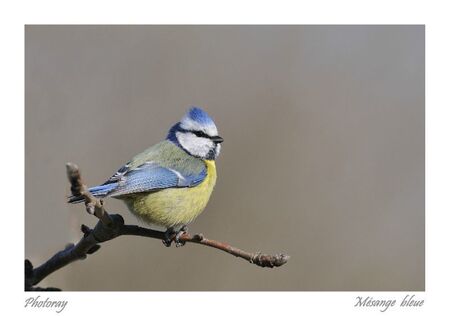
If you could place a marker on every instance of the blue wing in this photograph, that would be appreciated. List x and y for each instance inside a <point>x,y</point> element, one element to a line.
<point>152,177</point>
<point>147,177</point>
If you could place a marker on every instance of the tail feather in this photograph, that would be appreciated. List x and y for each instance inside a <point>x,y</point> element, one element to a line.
<point>98,191</point>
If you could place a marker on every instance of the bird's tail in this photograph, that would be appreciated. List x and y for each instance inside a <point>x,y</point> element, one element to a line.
<point>98,191</point>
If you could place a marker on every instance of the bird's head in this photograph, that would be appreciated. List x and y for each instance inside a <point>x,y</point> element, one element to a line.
<point>197,134</point>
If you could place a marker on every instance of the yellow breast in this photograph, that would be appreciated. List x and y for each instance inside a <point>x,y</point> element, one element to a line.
<point>175,206</point>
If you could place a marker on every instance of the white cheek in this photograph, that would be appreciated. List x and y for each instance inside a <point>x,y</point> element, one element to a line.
<point>218,146</point>
<point>196,146</point>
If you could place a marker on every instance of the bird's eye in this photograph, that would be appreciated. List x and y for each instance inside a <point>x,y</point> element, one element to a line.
<point>200,134</point>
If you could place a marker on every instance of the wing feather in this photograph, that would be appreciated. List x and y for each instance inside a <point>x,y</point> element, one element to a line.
<point>150,176</point>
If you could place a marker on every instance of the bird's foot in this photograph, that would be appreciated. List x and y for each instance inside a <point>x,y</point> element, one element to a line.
<point>168,237</point>
<point>172,235</point>
<point>183,230</point>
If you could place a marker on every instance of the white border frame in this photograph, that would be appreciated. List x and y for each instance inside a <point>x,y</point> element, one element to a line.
<point>431,13</point>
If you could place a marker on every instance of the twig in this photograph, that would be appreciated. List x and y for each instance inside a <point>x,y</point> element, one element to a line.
<point>111,226</point>
<point>262,260</point>
<point>94,206</point>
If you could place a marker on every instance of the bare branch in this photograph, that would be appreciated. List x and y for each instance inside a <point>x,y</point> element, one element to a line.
<point>111,226</point>
<point>94,206</point>
<point>259,259</point>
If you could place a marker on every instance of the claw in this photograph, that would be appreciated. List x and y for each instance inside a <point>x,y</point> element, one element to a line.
<point>168,237</point>
<point>172,235</point>
<point>178,242</point>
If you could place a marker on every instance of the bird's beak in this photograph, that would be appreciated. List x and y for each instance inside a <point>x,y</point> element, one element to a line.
<point>217,139</point>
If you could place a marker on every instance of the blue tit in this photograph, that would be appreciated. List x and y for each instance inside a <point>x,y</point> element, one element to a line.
<point>170,183</point>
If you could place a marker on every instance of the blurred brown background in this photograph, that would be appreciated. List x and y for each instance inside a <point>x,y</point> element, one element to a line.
<point>323,155</point>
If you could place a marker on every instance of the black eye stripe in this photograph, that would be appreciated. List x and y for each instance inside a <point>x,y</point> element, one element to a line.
<point>196,133</point>
<point>200,134</point>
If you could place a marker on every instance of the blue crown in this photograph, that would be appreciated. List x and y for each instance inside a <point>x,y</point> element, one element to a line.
<point>200,116</point>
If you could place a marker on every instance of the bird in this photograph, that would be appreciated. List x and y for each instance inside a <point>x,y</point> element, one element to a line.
<point>170,183</point>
